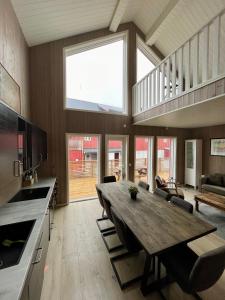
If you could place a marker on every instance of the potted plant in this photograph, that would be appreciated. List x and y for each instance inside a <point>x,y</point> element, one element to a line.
<point>133,192</point>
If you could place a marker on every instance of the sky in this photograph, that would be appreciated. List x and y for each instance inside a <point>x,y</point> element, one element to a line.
<point>96,75</point>
<point>144,65</point>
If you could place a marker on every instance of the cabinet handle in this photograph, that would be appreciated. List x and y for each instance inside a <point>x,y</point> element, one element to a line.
<point>38,257</point>
<point>18,168</point>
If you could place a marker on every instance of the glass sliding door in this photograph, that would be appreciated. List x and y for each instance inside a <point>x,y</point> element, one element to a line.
<point>83,153</point>
<point>166,157</point>
<point>144,159</point>
<point>116,156</point>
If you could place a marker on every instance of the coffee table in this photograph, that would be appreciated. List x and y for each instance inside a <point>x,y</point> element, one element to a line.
<point>211,199</point>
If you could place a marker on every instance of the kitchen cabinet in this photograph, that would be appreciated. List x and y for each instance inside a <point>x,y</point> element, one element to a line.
<point>34,281</point>
<point>193,162</point>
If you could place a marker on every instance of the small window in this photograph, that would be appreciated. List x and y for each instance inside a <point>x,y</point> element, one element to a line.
<point>95,75</point>
<point>146,62</point>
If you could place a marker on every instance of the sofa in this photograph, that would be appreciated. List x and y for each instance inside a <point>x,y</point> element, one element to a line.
<point>214,183</point>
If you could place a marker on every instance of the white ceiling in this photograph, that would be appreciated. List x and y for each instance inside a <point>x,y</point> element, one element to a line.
<point>209,113</point>
<point>47,20</point>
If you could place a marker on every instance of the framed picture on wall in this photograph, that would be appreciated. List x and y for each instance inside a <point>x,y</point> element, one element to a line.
<point>9,90</point>
<point>217,147</point>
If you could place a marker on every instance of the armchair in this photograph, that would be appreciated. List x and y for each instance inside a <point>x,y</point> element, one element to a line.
<point>173,191</point>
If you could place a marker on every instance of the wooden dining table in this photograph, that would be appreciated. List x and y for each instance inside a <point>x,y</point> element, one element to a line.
<point>156,223</point>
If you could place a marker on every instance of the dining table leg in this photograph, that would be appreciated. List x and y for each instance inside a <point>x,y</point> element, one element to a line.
<point>156,283</point>
<point>144,281</point>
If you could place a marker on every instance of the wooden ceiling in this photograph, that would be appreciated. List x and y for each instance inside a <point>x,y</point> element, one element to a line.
<point>166,23</point>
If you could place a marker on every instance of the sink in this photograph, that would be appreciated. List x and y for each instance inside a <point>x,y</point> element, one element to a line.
<point>13,240</point>
<point>30,194</point>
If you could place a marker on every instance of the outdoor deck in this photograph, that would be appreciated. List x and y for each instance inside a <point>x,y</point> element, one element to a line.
<point>80,188</point>
<point>82,180</point>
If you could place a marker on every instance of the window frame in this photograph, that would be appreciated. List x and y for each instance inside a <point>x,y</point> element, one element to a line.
<point>67,135</point>
<point>88,45</point>
<point>147,51</point>
<point>151,145</point>
<point>174,155</point>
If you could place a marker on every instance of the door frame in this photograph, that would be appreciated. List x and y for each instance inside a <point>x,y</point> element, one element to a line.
<point>67,165</point>
<point>174,153</point>
<point>124,138</point>
<point>150,150</point>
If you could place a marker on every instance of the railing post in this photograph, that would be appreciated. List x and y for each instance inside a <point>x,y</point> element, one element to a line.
<point>153,88</point>
<point>205,54</point>
<point>150,90</point>
<point>158,86</point>
<point>146,96</point>
<point>195,62</point>
<point>216,46</point>
<point>187,65</point>
<point>162,82</point>
<point>180,70</point>
<point>168,78</point>
<point>174,70</point>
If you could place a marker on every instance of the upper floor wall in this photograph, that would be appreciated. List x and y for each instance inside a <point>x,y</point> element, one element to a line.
<point>199,62</point>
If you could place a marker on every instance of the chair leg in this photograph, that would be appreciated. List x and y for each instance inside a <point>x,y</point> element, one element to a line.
<point>103,218</point>
<point>115,248</point>
<point>197,296</point>
<point>158,269</point>
<point>123,285</point>
<point>103,229</point>
<point>103,214</point>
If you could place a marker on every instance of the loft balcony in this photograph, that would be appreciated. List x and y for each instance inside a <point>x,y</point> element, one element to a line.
<point>188,87</point>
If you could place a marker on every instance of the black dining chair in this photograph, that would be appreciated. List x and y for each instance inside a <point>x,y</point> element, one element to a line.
<point>194,273</point>
<point>107,206</point>
<point>130,243</point>
<point>104,217</point>
<point>144,185</point>
<point>183,204</point>
<point>163,194</point>
<point>108,179</point>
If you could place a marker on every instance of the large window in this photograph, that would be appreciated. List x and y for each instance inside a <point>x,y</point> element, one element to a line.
<point>166,157</point>
<point>95,75</point>
<point>83,165</point>
<point>117,156</point>
<point>144,159</point>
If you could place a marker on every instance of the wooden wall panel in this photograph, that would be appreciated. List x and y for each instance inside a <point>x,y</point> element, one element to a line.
<point>211,164</point>
<point>14,52</point>
<point>47,108</point>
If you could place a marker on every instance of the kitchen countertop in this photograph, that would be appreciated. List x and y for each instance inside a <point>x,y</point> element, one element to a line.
<point>12,279</point>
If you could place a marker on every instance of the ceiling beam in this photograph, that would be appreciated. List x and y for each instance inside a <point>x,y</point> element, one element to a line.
<point>152,35</point>
<point>118,14</point>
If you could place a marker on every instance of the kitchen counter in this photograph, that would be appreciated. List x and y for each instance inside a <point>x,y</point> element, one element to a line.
<point>12,279</point>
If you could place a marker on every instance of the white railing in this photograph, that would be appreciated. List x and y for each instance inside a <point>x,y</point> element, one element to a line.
<point>198,61</point>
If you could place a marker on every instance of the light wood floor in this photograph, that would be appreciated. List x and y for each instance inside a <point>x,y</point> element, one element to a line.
<point>78,266</point>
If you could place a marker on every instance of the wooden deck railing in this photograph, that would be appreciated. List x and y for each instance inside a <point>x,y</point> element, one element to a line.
<point>197,62</point>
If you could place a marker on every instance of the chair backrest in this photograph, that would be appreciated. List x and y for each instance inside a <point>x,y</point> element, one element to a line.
<point>144,185</point>
<point>159,182</point>
<point>108,179</point>
<point>125,235</point>
<point>107,206</point>
<point>207,270</point>
<point>185,205</point>
<point>164,194</point>
<point>100,196</point>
